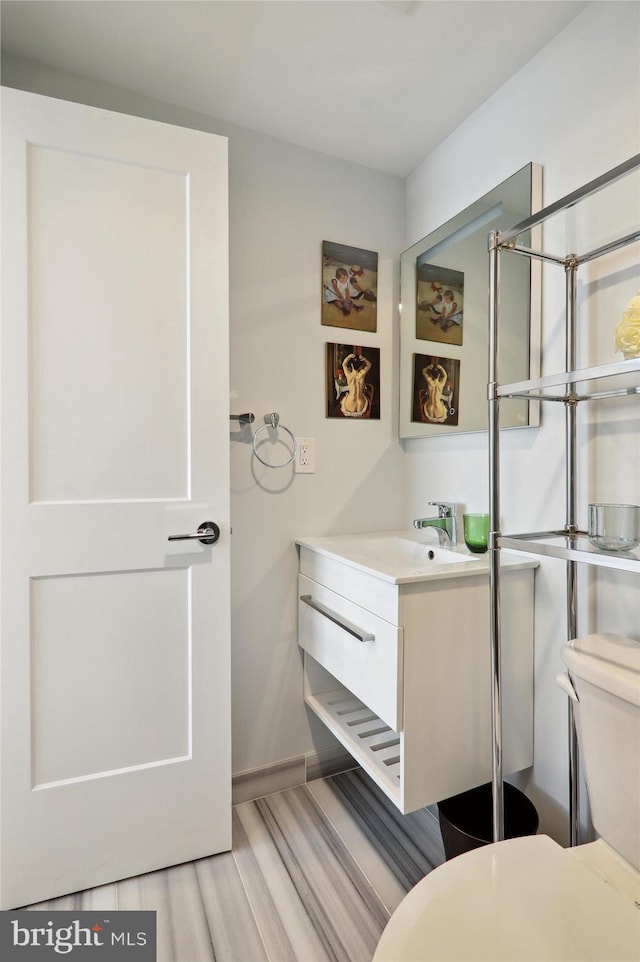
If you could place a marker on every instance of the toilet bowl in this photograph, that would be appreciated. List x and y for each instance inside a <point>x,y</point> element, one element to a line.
<point>528,899</point>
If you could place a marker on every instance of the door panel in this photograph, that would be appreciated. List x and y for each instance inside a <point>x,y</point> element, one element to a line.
<point>128,286</point>
<point>113,663</point>
<point>114,642</point>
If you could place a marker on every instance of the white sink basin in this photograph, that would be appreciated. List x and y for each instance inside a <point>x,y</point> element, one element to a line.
<point>399,556</point>
<point>394,551</point>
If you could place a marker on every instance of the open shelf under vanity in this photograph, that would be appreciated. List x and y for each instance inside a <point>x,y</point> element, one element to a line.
<point>373,743</point>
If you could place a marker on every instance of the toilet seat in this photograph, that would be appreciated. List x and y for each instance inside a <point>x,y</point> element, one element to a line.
<point>521,900</point>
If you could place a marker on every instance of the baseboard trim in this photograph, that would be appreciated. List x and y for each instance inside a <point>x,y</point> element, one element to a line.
<point>289,773</point>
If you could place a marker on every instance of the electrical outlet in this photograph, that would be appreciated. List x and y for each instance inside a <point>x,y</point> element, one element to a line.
<point>305,456</point>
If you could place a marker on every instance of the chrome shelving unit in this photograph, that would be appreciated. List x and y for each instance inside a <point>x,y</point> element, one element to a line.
<point>569,387</point>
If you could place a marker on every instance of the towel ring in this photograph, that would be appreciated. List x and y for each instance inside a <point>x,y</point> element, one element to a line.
<point>273,421</point>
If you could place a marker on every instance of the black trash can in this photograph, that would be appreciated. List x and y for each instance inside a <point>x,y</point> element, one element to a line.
<point>466,820</point>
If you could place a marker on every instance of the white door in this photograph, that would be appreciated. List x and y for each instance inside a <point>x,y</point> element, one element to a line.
<point>115,724</point>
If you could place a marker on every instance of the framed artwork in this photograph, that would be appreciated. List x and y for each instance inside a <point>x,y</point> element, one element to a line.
<point>353,382</point>
<point>439,303</point>
<point>436,390</point>
<point>349,287</point>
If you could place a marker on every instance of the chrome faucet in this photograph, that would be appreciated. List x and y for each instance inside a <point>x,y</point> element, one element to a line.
<point>445,523</point>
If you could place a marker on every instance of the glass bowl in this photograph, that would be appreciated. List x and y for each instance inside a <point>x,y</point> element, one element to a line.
<point>614,527</point>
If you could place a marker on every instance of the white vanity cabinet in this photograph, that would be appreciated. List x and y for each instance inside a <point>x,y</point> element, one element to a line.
<point>397,665</point>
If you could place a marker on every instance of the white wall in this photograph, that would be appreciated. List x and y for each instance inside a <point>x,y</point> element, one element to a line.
<point>284,201</point>
<point>575,109</point>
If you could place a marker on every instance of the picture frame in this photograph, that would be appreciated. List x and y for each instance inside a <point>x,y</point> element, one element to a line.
<point>352,382</point>
<point>439,302</point>
<point>349,287</point>
<point>436,390</point>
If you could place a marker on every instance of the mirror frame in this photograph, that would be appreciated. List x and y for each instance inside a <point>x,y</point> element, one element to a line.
<point>508,203</point>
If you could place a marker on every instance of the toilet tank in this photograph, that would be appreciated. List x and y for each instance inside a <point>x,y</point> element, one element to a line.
<point>605,671</point>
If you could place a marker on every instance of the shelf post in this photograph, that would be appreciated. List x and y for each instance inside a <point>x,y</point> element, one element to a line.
<point>494,548</point>
<point>571,267</point>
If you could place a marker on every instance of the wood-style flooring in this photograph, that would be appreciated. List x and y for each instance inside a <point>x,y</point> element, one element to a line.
<point>314,874</point>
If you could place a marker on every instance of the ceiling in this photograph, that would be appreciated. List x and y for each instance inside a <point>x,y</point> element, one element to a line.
<point>377,83</point>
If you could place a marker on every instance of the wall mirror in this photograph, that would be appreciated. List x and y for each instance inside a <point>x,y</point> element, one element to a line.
<point>444,285</point>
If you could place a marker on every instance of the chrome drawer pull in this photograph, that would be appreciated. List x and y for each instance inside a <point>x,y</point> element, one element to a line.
<point>337,620</point>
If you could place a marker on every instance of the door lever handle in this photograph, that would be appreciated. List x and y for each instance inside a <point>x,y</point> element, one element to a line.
<point>207,533</point>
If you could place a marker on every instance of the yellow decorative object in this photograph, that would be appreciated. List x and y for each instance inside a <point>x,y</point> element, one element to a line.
<point>627,333</point>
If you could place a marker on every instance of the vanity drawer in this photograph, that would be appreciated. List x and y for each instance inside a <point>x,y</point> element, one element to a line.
<point>373,594</point>
<point>362,651</point>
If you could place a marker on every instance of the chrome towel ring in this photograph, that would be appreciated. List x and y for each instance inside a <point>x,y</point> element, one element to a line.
<point>273,421</point>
